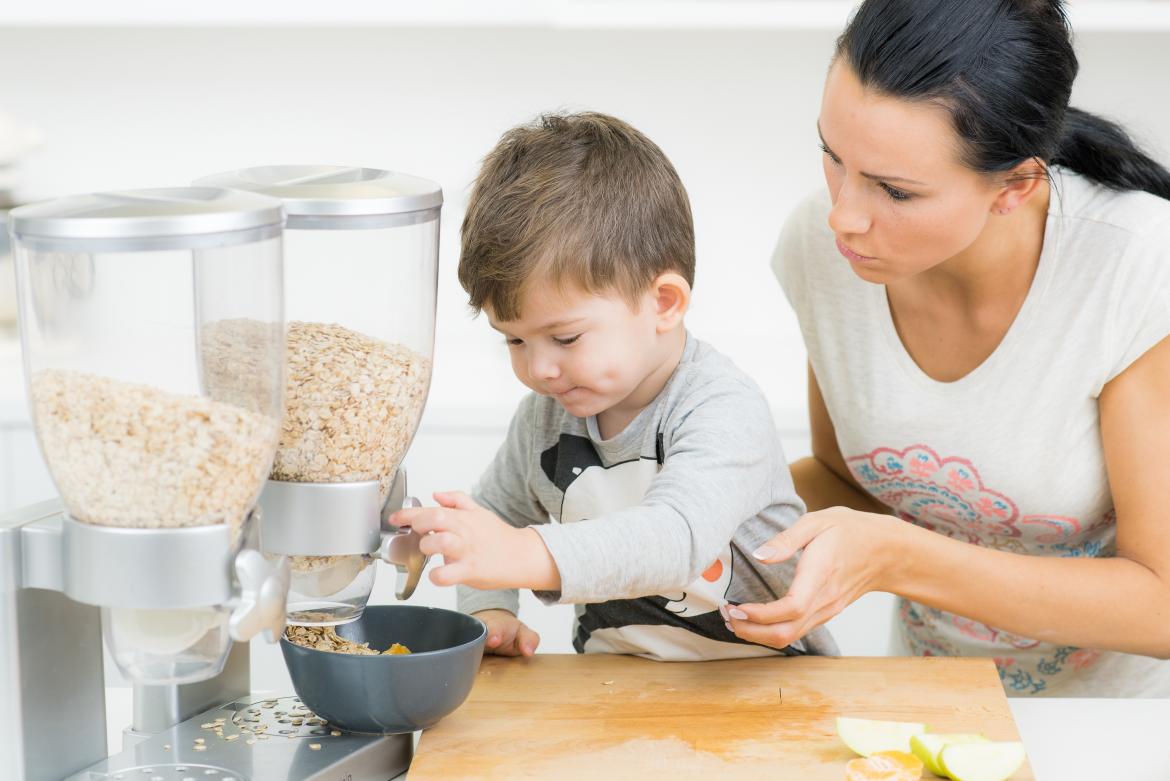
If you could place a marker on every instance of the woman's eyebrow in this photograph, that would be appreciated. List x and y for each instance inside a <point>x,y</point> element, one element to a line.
<point>875,177</point>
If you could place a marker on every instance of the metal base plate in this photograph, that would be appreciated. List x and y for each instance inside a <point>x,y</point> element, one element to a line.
<point>257,739</point>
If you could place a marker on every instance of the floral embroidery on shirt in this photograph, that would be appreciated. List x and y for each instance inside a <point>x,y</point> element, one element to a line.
<point>947,495</point>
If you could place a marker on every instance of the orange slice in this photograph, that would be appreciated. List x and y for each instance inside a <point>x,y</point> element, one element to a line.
<point>884,766</point>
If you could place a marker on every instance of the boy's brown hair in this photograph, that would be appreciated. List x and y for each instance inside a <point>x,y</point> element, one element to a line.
<point>573,198</point>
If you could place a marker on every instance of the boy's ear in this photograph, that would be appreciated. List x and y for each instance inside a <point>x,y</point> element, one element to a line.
<point>1023,183</point>
<point>672,296</point>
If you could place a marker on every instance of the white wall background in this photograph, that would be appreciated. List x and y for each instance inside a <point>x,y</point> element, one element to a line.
<point>734,109</point>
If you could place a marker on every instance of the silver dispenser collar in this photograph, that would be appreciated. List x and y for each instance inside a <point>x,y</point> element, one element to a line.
<point>155,569</point>
<point>339,519</point>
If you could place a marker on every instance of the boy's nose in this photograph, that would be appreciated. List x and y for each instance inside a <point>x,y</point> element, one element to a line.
<point>542,367</point>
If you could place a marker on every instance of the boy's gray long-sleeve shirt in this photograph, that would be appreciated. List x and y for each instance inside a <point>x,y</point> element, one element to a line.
<point>653,529</point>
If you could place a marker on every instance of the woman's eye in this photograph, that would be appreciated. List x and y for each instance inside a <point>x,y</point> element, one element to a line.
<point>896,194</point>
<point>832,156</point>
<point>568,341</point>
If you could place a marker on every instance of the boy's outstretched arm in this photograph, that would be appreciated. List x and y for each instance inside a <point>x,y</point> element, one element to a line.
<point>478,548</point>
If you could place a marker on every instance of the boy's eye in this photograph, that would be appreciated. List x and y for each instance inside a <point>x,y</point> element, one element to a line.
<point>566,341</point>
<point>895,193</point>
<point>513,341</point>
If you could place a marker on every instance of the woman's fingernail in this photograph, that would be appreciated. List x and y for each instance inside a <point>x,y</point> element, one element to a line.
<point>723,612</point>
<point>737,613</point>
<point>765,552</point>
<point>729,629</point>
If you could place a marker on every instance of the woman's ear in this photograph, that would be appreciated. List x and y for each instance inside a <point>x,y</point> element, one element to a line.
<point>672,296</point>
<point>1022,183</point>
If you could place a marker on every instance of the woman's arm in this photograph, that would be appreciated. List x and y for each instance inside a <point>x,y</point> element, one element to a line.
<point>1120,603</point>
<point>823,479</point>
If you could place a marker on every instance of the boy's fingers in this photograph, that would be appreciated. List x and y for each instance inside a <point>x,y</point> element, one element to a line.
<point>528,640</point>
<point>449,574</point>
<point>507,649</point>
<point>404,517</point>
<point>456,499</point>
<point>426,519</point>
<point>445,544</point>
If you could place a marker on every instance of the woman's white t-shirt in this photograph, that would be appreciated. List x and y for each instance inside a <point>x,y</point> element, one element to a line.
<point>1009,456</point>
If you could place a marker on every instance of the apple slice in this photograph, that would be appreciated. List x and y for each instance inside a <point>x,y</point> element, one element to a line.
<point>929,745</point>
<point>867,736</point>
<point>981,761</point>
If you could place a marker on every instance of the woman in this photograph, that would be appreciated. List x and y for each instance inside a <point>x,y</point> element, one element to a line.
<point>985,298</point>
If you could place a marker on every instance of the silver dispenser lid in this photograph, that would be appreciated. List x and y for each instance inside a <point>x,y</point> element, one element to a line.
<point>312,193</point>
<point>162,213</point>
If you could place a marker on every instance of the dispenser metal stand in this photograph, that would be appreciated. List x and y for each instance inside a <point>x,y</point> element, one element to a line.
<point>53,574</point>
<point>56,574</point>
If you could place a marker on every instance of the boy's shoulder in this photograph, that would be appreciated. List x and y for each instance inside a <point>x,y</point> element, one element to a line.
<point>705,367</point>
<point>706,377</point>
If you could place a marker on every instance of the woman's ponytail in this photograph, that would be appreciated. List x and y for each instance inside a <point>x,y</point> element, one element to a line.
<point>1102,151</point>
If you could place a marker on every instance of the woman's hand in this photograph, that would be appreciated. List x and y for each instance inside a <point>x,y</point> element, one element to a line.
<point>478,548</point>
<point>846,554</point>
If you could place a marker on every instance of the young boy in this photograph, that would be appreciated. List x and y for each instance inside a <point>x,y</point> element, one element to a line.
<point>655,457</point>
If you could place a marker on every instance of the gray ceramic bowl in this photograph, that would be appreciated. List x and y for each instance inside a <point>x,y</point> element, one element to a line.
<point>390,694</point>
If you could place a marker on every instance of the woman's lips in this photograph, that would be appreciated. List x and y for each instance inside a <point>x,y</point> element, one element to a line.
<point>850,255</point>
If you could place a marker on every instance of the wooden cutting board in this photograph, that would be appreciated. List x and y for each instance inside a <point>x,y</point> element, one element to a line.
<point>606,717</point>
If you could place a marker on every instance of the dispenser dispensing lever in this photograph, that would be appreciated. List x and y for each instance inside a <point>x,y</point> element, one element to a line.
<point>263,591</point>
<point>400,546</point>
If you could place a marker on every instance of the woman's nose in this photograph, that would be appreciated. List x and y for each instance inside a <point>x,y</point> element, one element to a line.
<point>849,215</point>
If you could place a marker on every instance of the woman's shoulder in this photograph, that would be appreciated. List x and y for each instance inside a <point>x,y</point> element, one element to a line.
<point>1123,220</point>
<point>1114,254</point>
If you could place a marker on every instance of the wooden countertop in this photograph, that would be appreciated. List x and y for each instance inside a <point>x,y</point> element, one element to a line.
<point>599,716</point>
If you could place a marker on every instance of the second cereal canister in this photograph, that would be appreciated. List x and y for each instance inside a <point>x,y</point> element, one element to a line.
<point>361,275</point>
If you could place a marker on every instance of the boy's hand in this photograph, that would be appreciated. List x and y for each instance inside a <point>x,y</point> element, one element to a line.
<point>507,634</point>
<point>478,548</point>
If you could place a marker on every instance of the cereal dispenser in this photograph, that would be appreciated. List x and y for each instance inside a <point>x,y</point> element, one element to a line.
<point>361,260</point>
<point>133,307</point>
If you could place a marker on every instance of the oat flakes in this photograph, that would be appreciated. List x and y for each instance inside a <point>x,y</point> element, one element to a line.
<point>132,455</point>
<point>325,638</point>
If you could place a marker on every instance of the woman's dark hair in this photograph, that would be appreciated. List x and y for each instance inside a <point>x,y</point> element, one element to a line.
<point>1004,70</point>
